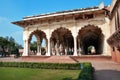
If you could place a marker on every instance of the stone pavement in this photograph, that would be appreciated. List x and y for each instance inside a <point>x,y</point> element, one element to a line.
<point>105,68</point>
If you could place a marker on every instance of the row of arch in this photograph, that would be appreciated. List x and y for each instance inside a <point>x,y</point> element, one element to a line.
<point>62,41</point>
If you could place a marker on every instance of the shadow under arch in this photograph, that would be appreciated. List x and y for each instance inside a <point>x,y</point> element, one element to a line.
<point>88,36</point>
<point>62,42</point>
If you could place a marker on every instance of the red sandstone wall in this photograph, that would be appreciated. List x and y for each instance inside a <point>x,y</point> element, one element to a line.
<point>116,55</point>
<point>113,56</point>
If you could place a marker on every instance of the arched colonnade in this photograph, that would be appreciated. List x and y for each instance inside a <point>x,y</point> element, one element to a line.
<point>63,41</point>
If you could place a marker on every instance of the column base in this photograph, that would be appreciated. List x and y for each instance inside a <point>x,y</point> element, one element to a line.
<point>75,54</point>
<point>24,54</point>
<point>47,54</point>
<point>104,54</point>
<point>79,54</point>
<point>38,54</point>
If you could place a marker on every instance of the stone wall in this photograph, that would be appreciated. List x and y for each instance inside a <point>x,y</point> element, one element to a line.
<point>116,55</point>
<point>114,26</point>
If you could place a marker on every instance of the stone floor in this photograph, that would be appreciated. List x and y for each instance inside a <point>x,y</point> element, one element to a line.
<point>105,68</point>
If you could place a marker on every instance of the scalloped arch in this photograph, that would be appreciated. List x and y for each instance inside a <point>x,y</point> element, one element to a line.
<point>89,26</point>
<point>60,28</point>
<point>34,32</point>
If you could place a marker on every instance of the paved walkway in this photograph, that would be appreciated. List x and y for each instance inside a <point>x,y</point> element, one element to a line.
<point>105,69</point>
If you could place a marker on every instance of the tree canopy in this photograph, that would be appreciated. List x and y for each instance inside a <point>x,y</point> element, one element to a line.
<point>9,46</point>
<point>33,46</point>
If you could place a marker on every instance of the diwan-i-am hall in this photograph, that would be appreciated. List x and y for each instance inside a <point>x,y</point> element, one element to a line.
<point>74,32</point>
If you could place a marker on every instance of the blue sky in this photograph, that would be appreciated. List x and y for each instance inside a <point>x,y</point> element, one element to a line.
<point>14,10</point>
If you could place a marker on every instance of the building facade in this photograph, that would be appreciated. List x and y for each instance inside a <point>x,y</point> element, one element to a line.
<point>114,39</point>
<point>69,32</point>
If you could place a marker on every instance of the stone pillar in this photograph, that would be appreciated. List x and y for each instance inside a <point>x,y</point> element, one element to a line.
<point>27,47</point>
<point>25,53</point>
<point>52,48</point>
<point>79,48</point>
<point>24,50</point>
<point>106,48</point>
<point>75,46</point>
<point>38,48</point>
<point>74,33</point>
<point>29,51</point>
<point>48,53</point>
<point>57,48</point>
<point>46,46</point>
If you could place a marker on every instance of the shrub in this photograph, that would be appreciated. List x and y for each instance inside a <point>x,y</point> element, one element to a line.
<point>87,72</point>
<point>71,66</point>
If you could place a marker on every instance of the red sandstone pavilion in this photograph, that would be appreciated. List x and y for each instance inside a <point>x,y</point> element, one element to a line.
<point>70,32</point>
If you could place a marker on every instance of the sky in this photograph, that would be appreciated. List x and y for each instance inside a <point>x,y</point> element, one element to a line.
<point>15,10</point>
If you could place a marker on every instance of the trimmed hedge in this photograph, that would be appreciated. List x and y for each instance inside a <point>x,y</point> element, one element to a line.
<point>86,72</point>
<point>69,66</point>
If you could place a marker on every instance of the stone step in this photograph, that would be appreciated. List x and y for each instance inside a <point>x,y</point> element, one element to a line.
<point>60,59</point>
<point>64,59</point>
<point>92,57</point>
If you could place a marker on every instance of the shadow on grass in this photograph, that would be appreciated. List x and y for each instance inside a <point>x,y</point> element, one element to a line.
<point>107,75</point>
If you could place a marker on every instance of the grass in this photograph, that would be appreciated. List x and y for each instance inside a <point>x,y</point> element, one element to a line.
<point>7,73</point>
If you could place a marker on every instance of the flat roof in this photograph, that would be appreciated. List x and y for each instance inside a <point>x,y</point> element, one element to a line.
<point>62,12</point>
<point>55,14</point>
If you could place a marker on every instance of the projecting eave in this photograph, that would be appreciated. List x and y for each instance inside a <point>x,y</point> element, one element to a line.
<point>19,23</point>
<point>69,12</point>
<point>33,19</point>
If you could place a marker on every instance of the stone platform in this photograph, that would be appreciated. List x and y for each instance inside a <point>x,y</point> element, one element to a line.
<point>64,59</point>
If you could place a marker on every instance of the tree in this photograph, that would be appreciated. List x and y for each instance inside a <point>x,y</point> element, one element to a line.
<point>18,46</point>
<point>33,46</point>
<point>3,45</point>
<point>9,46</point>
<point>43,51</point>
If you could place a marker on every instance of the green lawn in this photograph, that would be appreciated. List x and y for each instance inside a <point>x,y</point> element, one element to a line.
<point>37,74</point>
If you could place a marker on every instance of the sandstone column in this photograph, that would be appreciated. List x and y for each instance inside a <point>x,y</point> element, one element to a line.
<point>38,47</point>
<point>48,52</point>
<point>74,33</point>
<point>75,46</point>
<point>25,53</point>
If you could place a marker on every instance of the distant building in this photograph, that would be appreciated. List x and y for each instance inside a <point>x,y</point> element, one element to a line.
<point>114,39</point>
<point>21,51</point>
